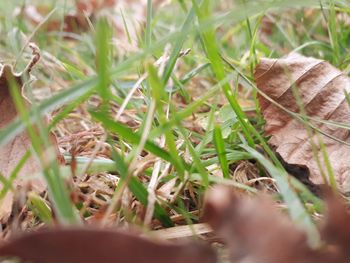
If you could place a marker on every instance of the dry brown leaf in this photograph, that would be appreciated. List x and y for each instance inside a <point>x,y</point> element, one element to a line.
<point>336,229</point>
<point>91,6</point>
<point>76,21</point>
<point>12,152</point>
<point>322,90</point>
<point>256,232</point>
<point>73,22</point>
<point>97,245</point>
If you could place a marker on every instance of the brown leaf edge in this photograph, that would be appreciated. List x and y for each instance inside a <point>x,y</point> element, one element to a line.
<point>255,231</point>
<point>78,244</point>
<point>22,140</point>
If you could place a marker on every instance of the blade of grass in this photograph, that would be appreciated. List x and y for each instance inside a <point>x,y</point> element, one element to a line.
<point>103,51</point>
<point>148,32</point>
<point>158,94</point>
<point>132,137</point>
<point>40,207</point>
<point>138,189</point>
<point>188,111</point>
<point>126,29</point>
<point>140,192</point>
<point>218,180</point>
<point>211,48</point>
<point>197,162</point>
<point>332,31</point>
<point>220,149</point>
<point>178,45</point>
<point>8,183</point>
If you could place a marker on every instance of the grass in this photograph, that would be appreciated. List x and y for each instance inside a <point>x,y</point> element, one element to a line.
<point>192,116</point>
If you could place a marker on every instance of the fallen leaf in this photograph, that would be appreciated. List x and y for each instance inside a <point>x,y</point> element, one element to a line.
<point>131,15</point>
<point>256,232</point>
<point>322,90</point>
<point>336,230</point>
<point>12,152</point>
<point>253,230</point>
<point>91,6</point>
<point>102,245</point>
<point>74,21</point>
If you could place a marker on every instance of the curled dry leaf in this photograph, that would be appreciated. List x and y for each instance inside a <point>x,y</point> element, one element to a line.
<point>12,152</point>
<point>322,90</point>
<point>97,245</point>
<point>256,232</point>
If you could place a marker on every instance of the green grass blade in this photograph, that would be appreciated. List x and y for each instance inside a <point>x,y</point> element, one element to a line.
<point>8,183</point>
<point>132,137</point>
<point>178,45</point>
<point>159,95</point>
<point>220,149</point>
<point>197,162</point>
<point>148,33</point>
<point>212,51</point>
<point>138,189</point>
<point>40,208</point>
<point>332,31</point>
<point>103,51</point>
